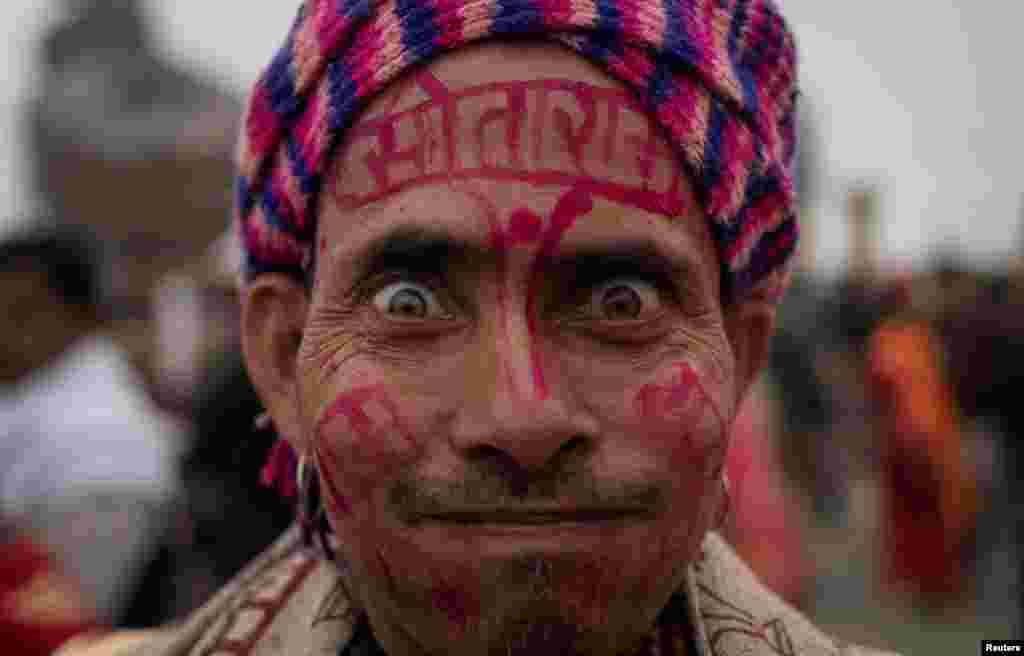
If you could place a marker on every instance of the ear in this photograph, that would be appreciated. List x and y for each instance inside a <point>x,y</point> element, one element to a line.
<point>274,310</point>
<point>750,323</point>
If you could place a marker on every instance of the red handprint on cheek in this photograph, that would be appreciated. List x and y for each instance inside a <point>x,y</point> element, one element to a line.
<point>363,429</point>
<point>685,404</point>
<point>657,400</point>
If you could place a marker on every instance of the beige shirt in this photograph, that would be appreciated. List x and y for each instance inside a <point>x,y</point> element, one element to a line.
<point>290,602</point>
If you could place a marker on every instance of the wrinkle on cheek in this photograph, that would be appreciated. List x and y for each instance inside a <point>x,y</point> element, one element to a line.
<point>328,351</point>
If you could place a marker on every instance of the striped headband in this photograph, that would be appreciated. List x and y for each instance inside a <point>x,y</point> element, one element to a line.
<point>718,76</point>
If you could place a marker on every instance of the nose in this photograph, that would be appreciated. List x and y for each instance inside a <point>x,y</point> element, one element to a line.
<point>505,417</point>
<point>528,435</point>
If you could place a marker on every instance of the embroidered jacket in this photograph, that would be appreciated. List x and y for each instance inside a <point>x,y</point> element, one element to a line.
<point>290,602</point>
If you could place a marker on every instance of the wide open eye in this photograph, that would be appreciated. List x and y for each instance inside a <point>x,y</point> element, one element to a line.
<point>406,301</point>
<point>623,299</point>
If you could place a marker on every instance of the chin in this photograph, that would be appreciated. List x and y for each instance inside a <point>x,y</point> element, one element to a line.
<point>537,623</point>
<point>530,604</point>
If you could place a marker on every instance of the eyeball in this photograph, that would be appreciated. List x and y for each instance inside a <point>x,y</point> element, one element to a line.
<point>406,301</point>
<point>624,299</point>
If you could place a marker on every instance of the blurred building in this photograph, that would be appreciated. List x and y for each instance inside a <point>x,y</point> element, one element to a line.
<point>863,234</point>
<point>133,149</point>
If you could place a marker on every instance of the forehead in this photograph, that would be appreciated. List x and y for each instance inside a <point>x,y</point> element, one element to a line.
<point>508,125</point>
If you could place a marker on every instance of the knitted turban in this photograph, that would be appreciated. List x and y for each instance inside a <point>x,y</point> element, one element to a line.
<point>718,76</point>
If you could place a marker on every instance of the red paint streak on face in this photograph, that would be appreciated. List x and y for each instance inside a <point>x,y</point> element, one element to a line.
<point>573,204</point>
<point>500,242</point>
<point>373,442</point>
<point>655,400</point>
<point>685,399</point>
<point>336,501</point>
<point>523,227</point>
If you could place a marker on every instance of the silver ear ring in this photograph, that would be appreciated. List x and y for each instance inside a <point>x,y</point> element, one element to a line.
<point>312,517</point>
<point>726,507</point>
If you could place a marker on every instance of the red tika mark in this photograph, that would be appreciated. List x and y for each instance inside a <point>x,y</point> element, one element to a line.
<point>523,227</point>
<point>573,204</point>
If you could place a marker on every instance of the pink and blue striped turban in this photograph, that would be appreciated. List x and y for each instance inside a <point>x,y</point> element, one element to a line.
<point>719,76</point>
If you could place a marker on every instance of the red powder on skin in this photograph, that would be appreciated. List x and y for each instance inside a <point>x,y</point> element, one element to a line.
<point>374,447</point>
<point>572,205</point>
<point>351,405</point>
<point>656,400</point>
<point>523,227</point>
<point>334,496</point>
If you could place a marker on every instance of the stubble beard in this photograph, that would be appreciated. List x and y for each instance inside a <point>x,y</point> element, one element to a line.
<point>529,605</point>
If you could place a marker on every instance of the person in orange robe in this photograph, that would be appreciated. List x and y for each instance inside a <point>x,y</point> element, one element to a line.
<point>929,499</point>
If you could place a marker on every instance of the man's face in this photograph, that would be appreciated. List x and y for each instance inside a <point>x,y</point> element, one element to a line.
<point>514,373</point>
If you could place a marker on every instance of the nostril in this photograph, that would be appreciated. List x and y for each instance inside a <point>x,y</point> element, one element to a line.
<point>576,444</point>
<point>517,476</point>
<point>502,465</point>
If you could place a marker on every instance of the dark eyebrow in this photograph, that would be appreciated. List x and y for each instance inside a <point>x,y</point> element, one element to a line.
<point>625,257</point>
<point>434,250</point>
<point>415,248</point>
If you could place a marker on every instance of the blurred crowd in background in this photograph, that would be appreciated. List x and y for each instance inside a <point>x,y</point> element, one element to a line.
<point>872,468</point>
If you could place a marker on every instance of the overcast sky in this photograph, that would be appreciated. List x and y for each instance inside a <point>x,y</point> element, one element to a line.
<point>921,97</point>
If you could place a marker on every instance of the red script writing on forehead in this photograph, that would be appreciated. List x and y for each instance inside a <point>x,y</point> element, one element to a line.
<point>538,131</point>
